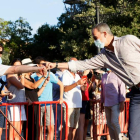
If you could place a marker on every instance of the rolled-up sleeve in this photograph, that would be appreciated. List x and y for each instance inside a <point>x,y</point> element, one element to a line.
<point>93,63</point>
<point>3,69</point>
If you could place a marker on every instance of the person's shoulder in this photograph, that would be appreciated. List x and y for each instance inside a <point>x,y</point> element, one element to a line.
<point>66,73</point>
<point>34,75</point>
<point>129,38</point>
<point>104,75</point>
<point>53,76</point>
<point>77,75</point>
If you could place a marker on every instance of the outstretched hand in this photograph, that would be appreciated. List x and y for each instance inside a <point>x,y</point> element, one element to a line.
<point>82,81</point>
<point>50,65</point>
<point>43,70</point>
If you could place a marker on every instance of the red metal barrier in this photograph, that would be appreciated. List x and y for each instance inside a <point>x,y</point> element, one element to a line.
<point>33,117</point>
<point>100,124</point>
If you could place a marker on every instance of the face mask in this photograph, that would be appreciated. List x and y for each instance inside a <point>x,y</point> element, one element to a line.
<point>0,61</point>
<point>99,44</point>
<point>99,89</point>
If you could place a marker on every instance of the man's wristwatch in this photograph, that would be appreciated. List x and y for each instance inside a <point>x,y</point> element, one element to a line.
<point>56,65</point>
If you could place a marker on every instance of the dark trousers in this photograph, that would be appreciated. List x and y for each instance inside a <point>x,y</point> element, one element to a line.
<point>134,115</point>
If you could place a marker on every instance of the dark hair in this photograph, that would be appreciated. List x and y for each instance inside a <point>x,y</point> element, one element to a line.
<point>16,60</point>
<point>38,59</point>
<point>1,46</point>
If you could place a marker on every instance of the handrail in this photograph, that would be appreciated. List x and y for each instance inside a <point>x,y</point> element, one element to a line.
<point>35,103</point>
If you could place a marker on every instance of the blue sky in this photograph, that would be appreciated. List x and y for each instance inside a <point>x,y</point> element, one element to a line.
<point>36,12</point>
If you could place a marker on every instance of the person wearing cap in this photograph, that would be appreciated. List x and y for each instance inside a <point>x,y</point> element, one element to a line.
<point>122,56</point>
<point>31,92</point>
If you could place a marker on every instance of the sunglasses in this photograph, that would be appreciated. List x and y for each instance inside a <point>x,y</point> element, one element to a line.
<point>1,52</point>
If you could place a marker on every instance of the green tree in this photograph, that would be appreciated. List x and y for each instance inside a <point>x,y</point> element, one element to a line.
<point>3,30</point>
<point>76,32</point>
<point>46,43</point>
<point>19,37</point>
<point>123,16</point>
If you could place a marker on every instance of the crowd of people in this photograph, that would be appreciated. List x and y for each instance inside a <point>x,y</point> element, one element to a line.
<point>77,84</point>
<point>79,90</point>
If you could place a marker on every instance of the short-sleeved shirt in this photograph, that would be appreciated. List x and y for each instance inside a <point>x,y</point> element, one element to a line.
<point>4,79</point>
<point>73,97</point>
<point>3,69</point>
<point>47,93</point>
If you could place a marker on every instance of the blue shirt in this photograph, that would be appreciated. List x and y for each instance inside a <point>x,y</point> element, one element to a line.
<point>4,79</point>
<point>56,87</point>
<point>47,93</point>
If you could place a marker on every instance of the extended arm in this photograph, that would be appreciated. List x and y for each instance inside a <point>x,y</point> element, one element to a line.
<point>93,63</point>
<point>32,85</point>
<point>23,69</point>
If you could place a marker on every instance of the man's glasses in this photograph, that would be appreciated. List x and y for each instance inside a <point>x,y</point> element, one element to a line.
<point>1,52</point>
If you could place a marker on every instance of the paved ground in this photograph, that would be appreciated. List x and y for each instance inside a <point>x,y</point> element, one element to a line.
<point>88,138</point>
<point>103,137</point>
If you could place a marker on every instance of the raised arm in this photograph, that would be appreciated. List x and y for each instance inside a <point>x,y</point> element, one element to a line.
<point>12,80</point>
<point>21,69</point>
<point>32,85</point>
<point>79,82</point>
<point>93,63</point>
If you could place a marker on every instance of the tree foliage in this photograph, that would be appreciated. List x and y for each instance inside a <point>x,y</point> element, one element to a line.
<point>46,43</point>
<point>72,36</point>
<point>19,37</point>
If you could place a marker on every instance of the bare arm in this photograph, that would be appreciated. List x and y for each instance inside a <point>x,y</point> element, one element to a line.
<point>24,69</point>
<point>93,63</point>
<point>43,87</point>
<point>13,81</point>
<point>84,87</point>
<point>32,85</point>
<point>70,87</point>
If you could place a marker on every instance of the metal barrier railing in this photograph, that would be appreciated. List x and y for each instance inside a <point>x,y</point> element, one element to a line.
<point>33,117</point>
<point>100,124</point>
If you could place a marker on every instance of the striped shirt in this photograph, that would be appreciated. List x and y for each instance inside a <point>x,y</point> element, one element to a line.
<point>124,61</point>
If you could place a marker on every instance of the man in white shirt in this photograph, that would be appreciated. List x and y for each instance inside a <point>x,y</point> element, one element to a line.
<point>73,97</point>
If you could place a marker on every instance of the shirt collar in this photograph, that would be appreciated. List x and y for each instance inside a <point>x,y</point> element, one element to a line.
<point>115,39</point>
<point>71,74</point>
<point>114,43</point>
